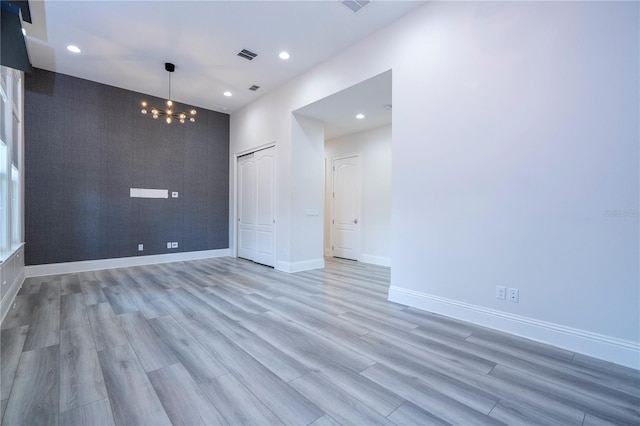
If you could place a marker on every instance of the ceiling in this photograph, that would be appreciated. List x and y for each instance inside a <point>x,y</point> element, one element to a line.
<point>126,43</point>
<point>372,98</point>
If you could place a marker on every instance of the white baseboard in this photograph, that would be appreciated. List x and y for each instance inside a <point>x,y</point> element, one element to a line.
<point>304,265</point>
<point>619,351</point>
<point>375,260</point>
<point>121,262</point>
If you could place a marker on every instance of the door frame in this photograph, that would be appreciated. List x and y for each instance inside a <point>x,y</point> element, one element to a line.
<point>234,206</point>
<point>358,251</point>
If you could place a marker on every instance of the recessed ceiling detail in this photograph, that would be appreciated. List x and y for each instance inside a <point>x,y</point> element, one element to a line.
<point>254,87</point>
<point>355,5</point>
<point>247,54</point>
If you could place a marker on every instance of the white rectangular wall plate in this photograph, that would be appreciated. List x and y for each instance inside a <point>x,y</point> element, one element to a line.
<point>148,193</point>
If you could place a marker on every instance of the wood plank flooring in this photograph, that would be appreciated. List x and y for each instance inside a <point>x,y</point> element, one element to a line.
<point>226,341</point>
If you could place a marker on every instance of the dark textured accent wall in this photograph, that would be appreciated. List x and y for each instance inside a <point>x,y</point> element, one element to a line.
<point>87,143</point>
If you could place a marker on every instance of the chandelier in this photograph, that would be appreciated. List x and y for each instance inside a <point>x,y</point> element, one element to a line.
<point>169,113</point>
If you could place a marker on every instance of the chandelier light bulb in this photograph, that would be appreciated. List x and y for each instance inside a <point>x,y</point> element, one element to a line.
<point>169,103</point>
<point>144,111</point>
<point>182,121</point>
<point>169,112</point>
<point>155,115</point>
<point>144,103</point>
<point>168,120</point>
<point>193,120</point>
<point>193,112</point>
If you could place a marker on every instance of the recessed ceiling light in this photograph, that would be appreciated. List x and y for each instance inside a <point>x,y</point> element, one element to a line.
<point>284,55</point>
<point>74,49</point>
<point>360,116</point>
<point>24,32</point>
<point>227,93</point>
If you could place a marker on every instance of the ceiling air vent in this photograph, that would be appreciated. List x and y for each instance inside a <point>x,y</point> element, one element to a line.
<point>355,5</point>
<point>254,87</point>
<point>247,54</point>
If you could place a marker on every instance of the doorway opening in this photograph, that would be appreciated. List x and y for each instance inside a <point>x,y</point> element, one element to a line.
<point>357,125</point>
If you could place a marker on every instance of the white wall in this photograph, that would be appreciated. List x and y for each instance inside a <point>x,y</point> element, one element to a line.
<point>515,131</point>
<point>374,147</point>
<point>307,190</point>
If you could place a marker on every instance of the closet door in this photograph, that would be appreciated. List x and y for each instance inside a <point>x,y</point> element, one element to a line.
<point>246,206</point>
<point>256,210</point>
<point>265,218</point>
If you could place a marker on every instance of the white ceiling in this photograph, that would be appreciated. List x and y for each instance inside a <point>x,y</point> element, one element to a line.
<point>339,110</point>
<point>126,43</point>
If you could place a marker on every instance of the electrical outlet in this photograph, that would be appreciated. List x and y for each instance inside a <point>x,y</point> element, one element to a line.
<point>514,294</point>
<point>140,247</point>
<point>501,292</point>
<point>174,245</point>
<point>168,244</point>
<point>174,194</point>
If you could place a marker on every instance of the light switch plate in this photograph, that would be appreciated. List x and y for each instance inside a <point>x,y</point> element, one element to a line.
<point>174,194</point>
<point>174,245</point>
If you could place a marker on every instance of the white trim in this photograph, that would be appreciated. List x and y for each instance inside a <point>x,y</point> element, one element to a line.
<point>619,351</point>
<point>121,262</point>
<point>304,265</point>
<point>327,252</point>
<point>375,260</point>
<point>255,149</point>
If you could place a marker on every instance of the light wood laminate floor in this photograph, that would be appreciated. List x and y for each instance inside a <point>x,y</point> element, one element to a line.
<point>226,341</point>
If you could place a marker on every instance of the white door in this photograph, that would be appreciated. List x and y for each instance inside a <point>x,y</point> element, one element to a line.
<point>345,236</point>
<point>256,219</point>
<point>246,206</point>
<point>265,218</point>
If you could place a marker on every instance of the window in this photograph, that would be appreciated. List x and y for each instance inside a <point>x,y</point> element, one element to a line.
<point>11,147</point>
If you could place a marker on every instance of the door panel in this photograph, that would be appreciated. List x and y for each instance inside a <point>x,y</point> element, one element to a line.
<point>246,206</point>
<point>346,207</point>
<point>265,214</point>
